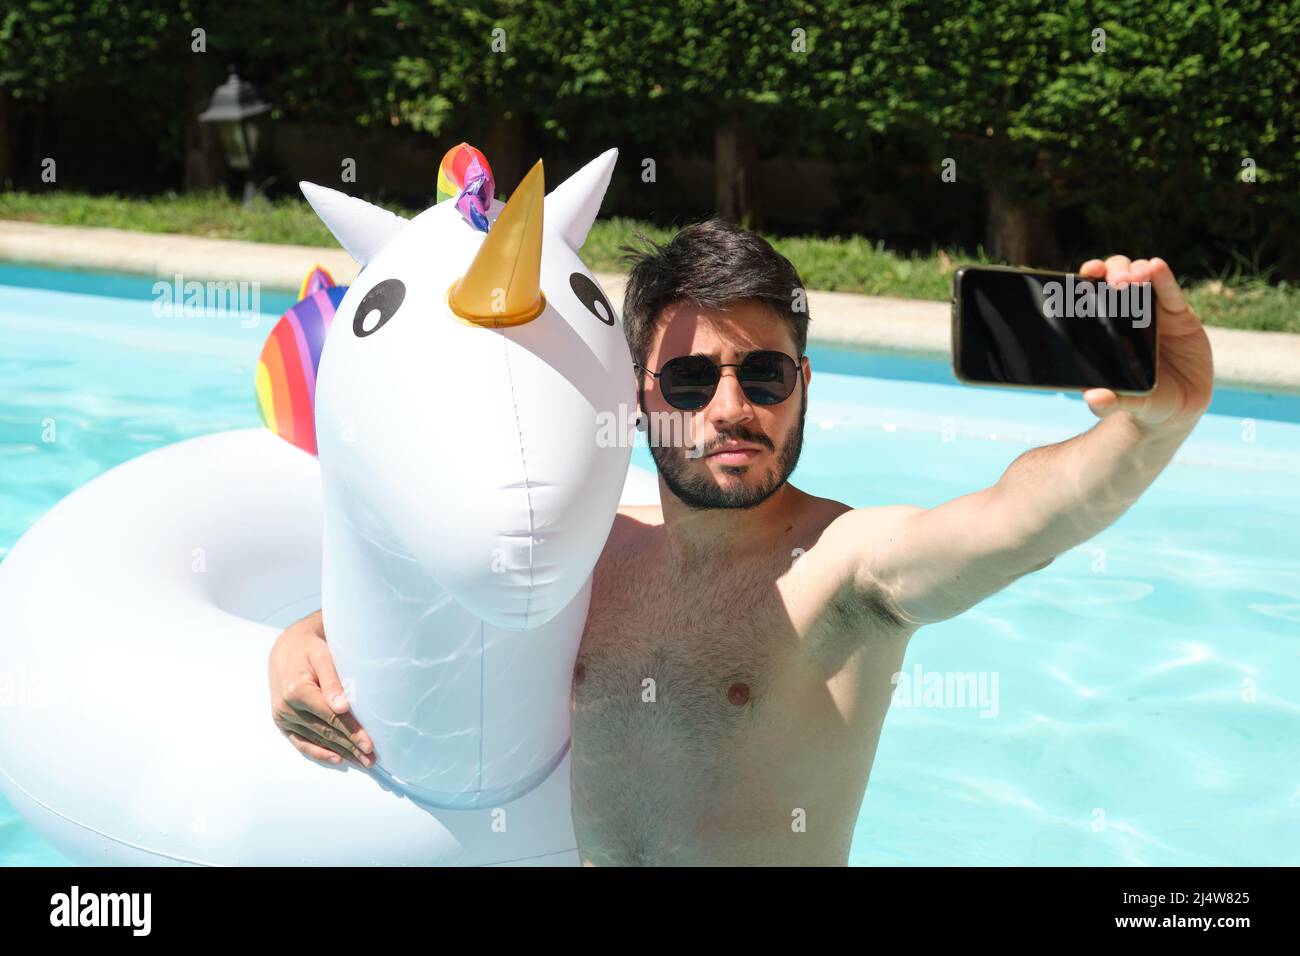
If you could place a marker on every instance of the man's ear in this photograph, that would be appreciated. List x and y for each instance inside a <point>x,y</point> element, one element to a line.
<point>642,419</point>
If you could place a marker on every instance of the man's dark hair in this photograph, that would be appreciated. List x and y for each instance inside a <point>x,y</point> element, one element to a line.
<point>713,264</point>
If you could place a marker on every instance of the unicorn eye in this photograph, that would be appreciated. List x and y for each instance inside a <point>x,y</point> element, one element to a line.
<point>590,295</point>
<point>378,306</point>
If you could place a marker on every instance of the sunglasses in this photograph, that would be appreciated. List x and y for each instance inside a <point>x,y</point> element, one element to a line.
<point>688,382</point>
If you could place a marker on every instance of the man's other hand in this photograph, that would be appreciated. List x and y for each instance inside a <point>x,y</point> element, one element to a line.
<point>308,704</point>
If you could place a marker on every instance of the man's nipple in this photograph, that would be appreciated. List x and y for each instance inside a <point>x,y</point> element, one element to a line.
<point>738,693</point>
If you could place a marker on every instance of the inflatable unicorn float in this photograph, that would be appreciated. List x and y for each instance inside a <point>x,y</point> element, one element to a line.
<point>448,530</point>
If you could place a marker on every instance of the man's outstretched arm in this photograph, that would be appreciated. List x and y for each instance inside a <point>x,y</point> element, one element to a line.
<point>932,564</point>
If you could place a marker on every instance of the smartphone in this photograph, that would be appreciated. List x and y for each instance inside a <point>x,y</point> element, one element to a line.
<point>1052,330</point>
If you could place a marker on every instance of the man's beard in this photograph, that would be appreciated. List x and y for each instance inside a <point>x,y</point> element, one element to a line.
<point>699,490</point>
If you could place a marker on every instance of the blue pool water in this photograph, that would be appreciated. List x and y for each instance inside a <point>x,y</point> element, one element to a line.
<point>1147,706</point>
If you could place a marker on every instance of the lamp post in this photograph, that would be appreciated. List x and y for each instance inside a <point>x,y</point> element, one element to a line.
<point>243,125</point>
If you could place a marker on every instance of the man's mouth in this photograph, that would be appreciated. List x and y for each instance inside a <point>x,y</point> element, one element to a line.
<point>734,454</point>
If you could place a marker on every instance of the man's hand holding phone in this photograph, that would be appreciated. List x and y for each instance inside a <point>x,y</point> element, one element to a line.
<point>1186,380</point>
<point>1120,331</point>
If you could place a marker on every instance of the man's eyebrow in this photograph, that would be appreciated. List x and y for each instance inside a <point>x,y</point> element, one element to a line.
<point>717,353</point>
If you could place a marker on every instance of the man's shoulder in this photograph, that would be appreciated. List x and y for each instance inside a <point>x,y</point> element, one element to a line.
<point>630,539</point>
<point>852,541</point>
<point>838,568</point>
<point>847,529</point>
<point>852,523</point>
<point>634,527</point>
<point>642,514</point>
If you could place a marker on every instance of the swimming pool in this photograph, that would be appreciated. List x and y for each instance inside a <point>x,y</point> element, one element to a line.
<point>1140,700</point>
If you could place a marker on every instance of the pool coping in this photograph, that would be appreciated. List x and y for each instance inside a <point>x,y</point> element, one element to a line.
<point>914,328</point>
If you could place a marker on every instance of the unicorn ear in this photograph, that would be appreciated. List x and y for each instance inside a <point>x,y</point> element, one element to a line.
<point>360,228</point>
<point>573,204</point>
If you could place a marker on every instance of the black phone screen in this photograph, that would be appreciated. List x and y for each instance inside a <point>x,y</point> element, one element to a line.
<point>1053,330</point>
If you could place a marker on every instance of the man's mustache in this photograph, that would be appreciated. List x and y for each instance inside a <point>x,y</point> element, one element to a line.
<point>740,434</point>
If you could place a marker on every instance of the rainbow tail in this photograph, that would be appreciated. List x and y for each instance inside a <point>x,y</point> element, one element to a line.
<point>286,372</point>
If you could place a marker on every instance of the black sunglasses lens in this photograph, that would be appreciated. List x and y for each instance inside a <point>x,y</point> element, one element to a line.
<point>768,378</point>
<point>688,382</point>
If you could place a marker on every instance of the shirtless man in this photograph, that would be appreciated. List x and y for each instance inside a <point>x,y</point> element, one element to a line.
<point>736,665</point>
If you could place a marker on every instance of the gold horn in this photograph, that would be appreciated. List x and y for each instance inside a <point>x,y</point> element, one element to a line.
<point>503,286</point>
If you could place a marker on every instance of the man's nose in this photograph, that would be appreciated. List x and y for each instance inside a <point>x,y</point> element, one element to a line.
<point>729,403</point>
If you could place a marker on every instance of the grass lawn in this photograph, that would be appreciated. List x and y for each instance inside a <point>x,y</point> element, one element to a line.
<point>844,265</point>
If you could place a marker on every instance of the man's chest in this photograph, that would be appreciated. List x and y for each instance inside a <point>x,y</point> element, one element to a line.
<point>701,666</point>
<point>677,665</point>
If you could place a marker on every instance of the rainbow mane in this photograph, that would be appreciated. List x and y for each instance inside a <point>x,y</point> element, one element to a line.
<point>286,372</point>
<point>464,173</point>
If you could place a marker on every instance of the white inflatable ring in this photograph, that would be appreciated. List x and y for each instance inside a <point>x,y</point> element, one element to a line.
<point>144,735</point>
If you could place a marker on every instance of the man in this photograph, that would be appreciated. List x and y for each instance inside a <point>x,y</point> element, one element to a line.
<point>736,665</point>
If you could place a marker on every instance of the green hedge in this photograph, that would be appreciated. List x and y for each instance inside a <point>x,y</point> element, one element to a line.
<point>1060,149</point>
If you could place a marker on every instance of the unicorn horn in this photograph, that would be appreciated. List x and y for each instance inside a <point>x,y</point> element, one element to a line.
<point>503,285</point>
